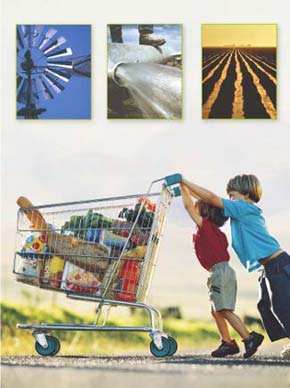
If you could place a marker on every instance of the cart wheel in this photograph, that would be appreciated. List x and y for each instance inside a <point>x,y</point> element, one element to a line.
<point>173,346</point>
<point>161,352</point>
<point>53,346</point>
<point>56,345</point>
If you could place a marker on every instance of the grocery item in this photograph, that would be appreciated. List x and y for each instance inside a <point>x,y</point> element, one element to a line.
<point>77,280</point>
<point>78,225</point>
<point>113,240</point>
<point>34,246</point>
<point>89,256</point>
<point>145,215</point>
<point>52,272</point>
<point>120,281</point>
<point>149,205</point>
<point>106,237</point>
<point>95,235</point>
<point>137,253</point>
<point>28,264</point>
<point>27,271</point>
<point>139,236</point>
<point>128,281</point>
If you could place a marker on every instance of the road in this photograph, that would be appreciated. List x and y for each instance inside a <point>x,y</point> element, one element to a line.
<point>182,370</point>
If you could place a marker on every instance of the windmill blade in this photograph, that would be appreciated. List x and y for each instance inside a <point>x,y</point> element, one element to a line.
<point>61,53</point>
<point>43,89</point>
<point>20,43</point>
<point>58,42</point>
<point>36,34</point>
<point>63,75</point>
<point>53,82</point>
<point>25,91</point>
<point>31,34</point>
<point>63,64</point>
<point>22,93</point>
<point>82,66</point>
<point>25,32</point>
<point>47,37</point>
<point>19,86</point>
<point>19,80</point>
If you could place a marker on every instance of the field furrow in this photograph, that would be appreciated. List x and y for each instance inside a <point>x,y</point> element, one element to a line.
<point>214,94</point>
<point>269,64</point>
<point>265,99</point>
<point>255,62</point>
<point>238,103</point>
<point>211,73</point>
<point>210,58</point>
<point>206,65</point>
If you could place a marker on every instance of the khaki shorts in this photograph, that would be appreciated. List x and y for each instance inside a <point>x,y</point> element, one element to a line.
<point>222,287</point>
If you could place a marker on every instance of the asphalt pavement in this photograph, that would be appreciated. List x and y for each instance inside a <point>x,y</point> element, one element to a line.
<point>184,370</point>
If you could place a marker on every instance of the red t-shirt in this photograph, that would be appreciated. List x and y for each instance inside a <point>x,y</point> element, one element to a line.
<point>210,244</point>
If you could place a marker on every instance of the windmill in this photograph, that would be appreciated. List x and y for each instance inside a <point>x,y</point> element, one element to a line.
<point>44,68</point>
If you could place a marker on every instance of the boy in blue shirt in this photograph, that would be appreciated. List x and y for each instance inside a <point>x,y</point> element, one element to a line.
<point>255,247</point>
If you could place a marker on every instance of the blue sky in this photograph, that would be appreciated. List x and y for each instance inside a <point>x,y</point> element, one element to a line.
<point>74,102</point>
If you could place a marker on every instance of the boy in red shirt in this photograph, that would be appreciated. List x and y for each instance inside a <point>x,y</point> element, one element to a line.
<point>210,245</point>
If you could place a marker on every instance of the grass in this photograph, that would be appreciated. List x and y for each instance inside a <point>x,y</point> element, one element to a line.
<point>189,334</point>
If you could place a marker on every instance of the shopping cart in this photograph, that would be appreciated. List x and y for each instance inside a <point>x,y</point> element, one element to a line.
<point>102,250</point>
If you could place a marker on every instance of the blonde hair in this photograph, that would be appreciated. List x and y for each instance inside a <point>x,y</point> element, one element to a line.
<point>246,185</point>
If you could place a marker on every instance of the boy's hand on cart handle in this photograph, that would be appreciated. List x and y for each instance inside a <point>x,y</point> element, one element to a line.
<point>173,179</point>
<point>34,215</point>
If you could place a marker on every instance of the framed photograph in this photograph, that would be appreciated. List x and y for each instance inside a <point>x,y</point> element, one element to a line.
<point>239,72</point>
<point>144,71</point>
<point>53,71</point>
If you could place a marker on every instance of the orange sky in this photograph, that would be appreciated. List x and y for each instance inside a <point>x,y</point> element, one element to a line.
<point>257,35</point>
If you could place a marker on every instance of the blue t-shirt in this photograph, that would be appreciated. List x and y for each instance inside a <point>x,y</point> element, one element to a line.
<point>250,237</point>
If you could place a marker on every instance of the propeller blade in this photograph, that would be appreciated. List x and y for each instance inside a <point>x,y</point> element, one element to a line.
<point>20,44</point>
<point>25,30</point>
<point>19,80</point>
<point>57,87</point>
<point>64,76</point>
<point>31,34</point>
<point>61,53</point>
<point>22,93</point>
<point>82,66</point>
<point>64,64</point>
<point>47,37</point>
<point>44,89</point>
<point>58,42</point>
<point>25,91</point>
<point>36,33</point>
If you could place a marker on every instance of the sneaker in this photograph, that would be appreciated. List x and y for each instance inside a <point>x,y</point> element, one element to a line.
<point>226,349</point>
<point>151,40</point>
<point>252,343</point>
<point>286,352</point>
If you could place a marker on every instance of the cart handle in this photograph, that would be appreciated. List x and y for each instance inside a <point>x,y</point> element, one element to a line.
<point>177,191</point>
<point>170,180</point>
<point>173,179</point>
